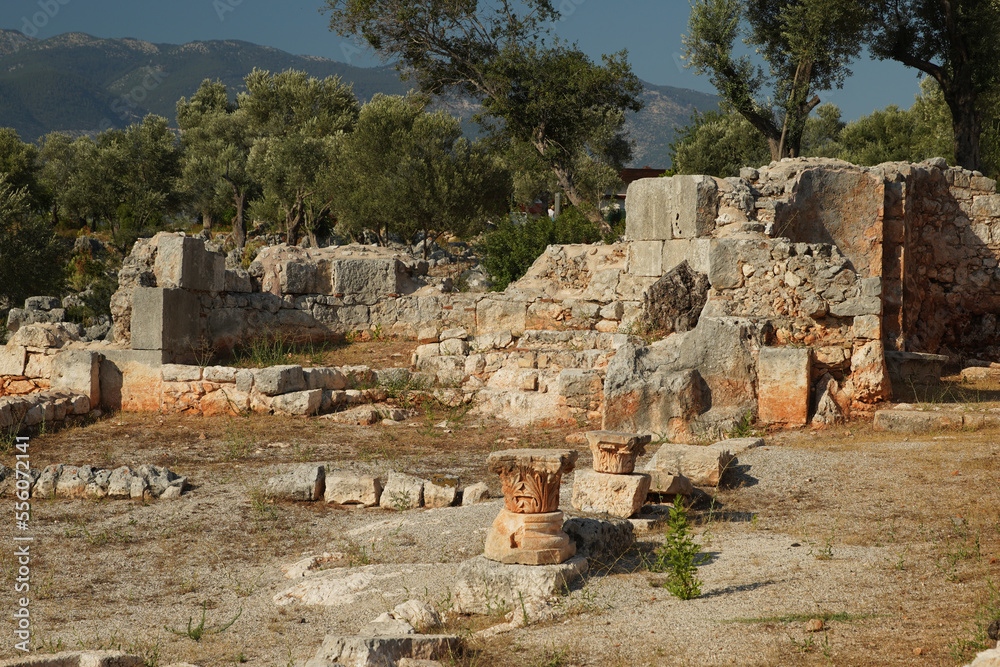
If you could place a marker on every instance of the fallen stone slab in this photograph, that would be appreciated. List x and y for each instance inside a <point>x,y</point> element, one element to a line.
<point>737,446</point>
<point>344,586</point>
<point>704,466</point>
<point>305,482</point>
<point>918,421</point>
<point>440,491</point>
<point>402,492</point>
<point>298,402</point>
<point>475,493</point>
<point>77,659</point>
<point>600,541</point>
<point>484,586</point>
<point>350,489</point>
<point>382,651</point>
<point>606,493</point>
<point>277,380</point>
<point>669,484</point>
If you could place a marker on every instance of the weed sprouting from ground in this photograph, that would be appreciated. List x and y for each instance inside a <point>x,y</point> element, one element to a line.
<point>196,632</point>
<point>679,556</point>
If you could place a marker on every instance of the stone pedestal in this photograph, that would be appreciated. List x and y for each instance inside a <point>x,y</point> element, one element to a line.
<point>529,528</point>
<point>528,539</point>
<point>615,452</point>
<point>602,493</point>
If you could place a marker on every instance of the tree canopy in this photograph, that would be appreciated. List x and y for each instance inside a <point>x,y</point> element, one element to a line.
<point>550,97</point>
<point>955,42</point>
<point>806,46</point>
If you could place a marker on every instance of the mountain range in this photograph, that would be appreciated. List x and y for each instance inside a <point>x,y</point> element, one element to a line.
<point>79,84</point>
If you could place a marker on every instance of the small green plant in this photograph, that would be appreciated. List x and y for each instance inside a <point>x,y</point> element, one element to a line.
<point>977,635</point>
<point>400,500</point>
<point>239,442</point>
<point>826,552</point>
<point>262,505</point>
<point>744,428</point>
<point>196,632</point>
<point>679,556</point>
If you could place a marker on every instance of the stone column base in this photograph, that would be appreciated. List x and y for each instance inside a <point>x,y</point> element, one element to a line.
<point>528,539</point>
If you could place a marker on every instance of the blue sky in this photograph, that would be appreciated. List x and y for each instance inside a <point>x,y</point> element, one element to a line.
<point>650,29</point>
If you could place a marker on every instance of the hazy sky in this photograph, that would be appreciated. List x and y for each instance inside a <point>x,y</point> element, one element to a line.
<point>650,30</point>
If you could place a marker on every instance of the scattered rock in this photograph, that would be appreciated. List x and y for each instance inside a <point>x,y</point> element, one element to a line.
<point>605,493</point>
<point>381,651</point>
<point>704,466</point>
<point>402,492</point>
<point>814,625</point>
<point>483,585</point>
<point>475,493</point>
<point>305,482</point>
<point>601,541</point>
<point>348,489</point>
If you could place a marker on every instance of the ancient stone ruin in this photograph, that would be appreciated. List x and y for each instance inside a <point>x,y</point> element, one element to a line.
<point>820,281</point>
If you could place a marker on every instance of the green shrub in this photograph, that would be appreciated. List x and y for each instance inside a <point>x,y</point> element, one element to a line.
<point>679,556</point>
<point>509,250</point>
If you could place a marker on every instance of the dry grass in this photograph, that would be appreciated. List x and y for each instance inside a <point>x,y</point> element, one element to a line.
<point>125,574</point>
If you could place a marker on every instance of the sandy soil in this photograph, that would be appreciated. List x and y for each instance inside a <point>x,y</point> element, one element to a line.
<point>891,540</point>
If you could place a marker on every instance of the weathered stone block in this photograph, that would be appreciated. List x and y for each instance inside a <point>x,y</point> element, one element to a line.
<point>324,378</point>
<point>645,258</point>
<point>349,489</point>
<point>605,493</point>
<point>499,316</point>
<point>475,493</point>
<point>180,373</point>
<point>183,261</point>
<point>360,651</point>
<point>482,585</point>
<point>783,385</point>
<point>306,402</point>
<point>576,382</point>
<point>694,251</point>
<point>601,541</point>
<point>704,466</point>
<point>870,373</point>
<point>13,359</point>
<point>305,482</point>
<point>165,319</point>
<point>440,491</point>
<point>724,271</point>
<point>238,281</point>
<point>279,380</point>
<point>669,208</point>
<point>78,371</point>
<point>986,206</point>
<point>368,279</point>
<point>669,484</point>
<point>402,492</point>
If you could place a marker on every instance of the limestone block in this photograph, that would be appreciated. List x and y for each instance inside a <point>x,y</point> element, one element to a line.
<point>601,541</point>
<point>783,385</point>
<point>482,585</point>
<point>73,481</point>
<point>499,316</point>
<point>279,380</point>
<point>305,482</point>
<point>915,367</point>
<point>45,487</point>
<point>402,492</point>
<point>986,206</point>
<point>180,373</point>
<point>645,258</point>
<point>39,365</point>
<point>165,319</point>
<point>220,374</point>
<point>160,479</point>
<point>868,327</point>
<point>440,491</point>
<point>80,405</point>
<point>736,446</point>
<point>454,346</point>
<point>238,281</point>
<point>348,489</point>
<point>669,484</point>
<point>655,403</point>
<point>183,261</point>
<point>870,374</point>
<point>417,613</point>
<point>604,493</point>
<point>704,466</point>
<point>575,382</point>
<point>669,208</point>
<point>298,402</point>
<point>368,279</point>
<point>13,359</point>
<point>987,658</point>
<point>42,336</point>
<point>224,401</point>
<point>457,333</point>
<point>475,493</point>
<point>324,378</point>
<point>724,271</point>
<point>861,305</point>
<point>360,651</point>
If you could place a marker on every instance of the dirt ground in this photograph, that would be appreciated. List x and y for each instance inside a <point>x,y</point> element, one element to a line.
<point>892,541</point>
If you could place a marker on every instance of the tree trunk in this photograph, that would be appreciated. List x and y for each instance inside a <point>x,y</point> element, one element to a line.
<point>576,199</point>
<point>967,125</point>
<point>293,222</point>
<point>206,221</point>
<point>240,223</point>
